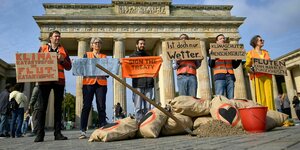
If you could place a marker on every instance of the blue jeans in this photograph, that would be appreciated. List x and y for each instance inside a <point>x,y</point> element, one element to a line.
<point>3,124</point>
<point>24,127</point>
<point>17,117</point>
<point>187,85</point>
<point>142,106</point>
<point>227,85</point>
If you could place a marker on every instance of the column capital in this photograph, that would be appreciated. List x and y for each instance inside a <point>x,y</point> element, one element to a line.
<point>119,38</point>
<point>43,39</point>
<point>234,38</point>
<point>82,39</point>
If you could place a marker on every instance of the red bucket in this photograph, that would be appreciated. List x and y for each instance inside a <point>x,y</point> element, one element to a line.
<point>254,118</point>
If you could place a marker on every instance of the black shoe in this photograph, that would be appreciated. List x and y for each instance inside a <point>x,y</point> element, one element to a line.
<point>60,137</point>
<point>2,135</point>
<point>39,139</point>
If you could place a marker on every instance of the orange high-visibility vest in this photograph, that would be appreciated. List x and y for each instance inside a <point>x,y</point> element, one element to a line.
<point>187,67</point>
<point>61,51</point>
<point>101,80</point>
<point>223,66</point>
<point>266,56</point>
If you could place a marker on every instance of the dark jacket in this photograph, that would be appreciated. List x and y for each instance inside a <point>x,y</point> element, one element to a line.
<point>144,82</point>
<point>235,64</point>
<point>4,101</point>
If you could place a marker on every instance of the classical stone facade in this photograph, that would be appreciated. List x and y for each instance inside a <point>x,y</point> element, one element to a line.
<point>122,22</point>
<point>290,83</point>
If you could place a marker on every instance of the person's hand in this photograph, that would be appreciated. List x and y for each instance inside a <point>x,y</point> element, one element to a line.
<point>251,70</point>
<point>60,57</point>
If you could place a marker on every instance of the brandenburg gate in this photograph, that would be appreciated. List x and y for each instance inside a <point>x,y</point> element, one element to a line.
<point>122,22</point>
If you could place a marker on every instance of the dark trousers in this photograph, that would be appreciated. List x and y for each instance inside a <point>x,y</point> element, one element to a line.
<point>298,114</point>
<point>34,120</point>
<point>287,111</point>
<point>41,115</point>
<point>88,94</point>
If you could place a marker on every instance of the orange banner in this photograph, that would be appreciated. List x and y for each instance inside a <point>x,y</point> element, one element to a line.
<point>137,67</point>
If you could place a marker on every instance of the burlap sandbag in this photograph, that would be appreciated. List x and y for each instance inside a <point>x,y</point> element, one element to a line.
<point>120,130</point>
<point>172,128</point>
<point>242,103</point>
<point>190,106</point>
<point>225,110</point>
<point>201,121</point>
<point>275,119</point>
<point>152,123</point>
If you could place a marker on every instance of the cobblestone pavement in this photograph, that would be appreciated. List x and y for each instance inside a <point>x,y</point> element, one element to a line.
<point>279,138</point>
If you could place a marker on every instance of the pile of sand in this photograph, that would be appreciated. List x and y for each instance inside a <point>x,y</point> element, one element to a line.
<point>217,128</point>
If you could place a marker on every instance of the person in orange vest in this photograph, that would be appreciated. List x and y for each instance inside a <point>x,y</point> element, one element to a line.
<point>95,85</point>
<point>144,85</point>
<point>223,72</point>
<point>261,81</point>
<point>64,63</point>
<point>186,74</point>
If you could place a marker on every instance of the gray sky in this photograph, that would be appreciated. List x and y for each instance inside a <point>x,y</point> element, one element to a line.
<point>277,21</point>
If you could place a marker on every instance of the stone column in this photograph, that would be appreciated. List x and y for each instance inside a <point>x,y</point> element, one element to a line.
<point>83,46</point>
<point>166,76</point>
<point>240,85</point>
<point>204,90</point>
<point>119,89</point>
<point>26,91</point>
<point>275,88</point>
<point>291,91</point>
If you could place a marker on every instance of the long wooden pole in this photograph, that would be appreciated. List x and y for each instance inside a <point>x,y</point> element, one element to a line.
<point>188,130</point>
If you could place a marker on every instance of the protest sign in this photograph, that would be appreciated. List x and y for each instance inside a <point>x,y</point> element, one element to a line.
<point>183,50</point>
<point>36,67</point>
<point>269,66</point>
<point>137,67</point>
<point>87,66</point>
<point>227,51</point>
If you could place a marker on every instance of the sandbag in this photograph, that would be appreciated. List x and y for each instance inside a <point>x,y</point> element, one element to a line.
<point>275,119</point>
<point>152,123</point>
<point>190,106</point>
<point>225,110</point>
<point>243,103</point>
<point>172,128</point>
<point>120,130</point>
<point>201,121</point>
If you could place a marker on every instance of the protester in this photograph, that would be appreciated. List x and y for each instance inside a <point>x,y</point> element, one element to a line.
<point>17,112</point>
<point>64,63</point>
<point>34,106</point>
<point>261,81</point>
<point>186,74</point>
<point>144,85</point>
<point>4,110</point>
<point>296,104</point>
<point>96,85</point>
<point>223,72</point>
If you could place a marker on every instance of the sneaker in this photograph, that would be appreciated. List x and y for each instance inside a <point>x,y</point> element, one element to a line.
<point>83,135</point>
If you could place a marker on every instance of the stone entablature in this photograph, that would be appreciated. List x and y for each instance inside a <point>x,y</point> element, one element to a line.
<point>291,59</point>
<point>136,8</point>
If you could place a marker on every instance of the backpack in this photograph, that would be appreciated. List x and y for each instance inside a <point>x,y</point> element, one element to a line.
<point>13,104</point>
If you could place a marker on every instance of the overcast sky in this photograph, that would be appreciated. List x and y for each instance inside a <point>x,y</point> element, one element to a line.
<point>277,21</point>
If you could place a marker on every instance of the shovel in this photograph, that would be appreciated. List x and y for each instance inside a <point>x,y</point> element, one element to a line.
<point>188,130</point>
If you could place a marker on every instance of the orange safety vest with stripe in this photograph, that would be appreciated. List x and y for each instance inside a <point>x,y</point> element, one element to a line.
<point>187,67</point>
<point>61,51</point>
<point>266,56</point>
<point>223,67</point>
<point>101,80</point>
